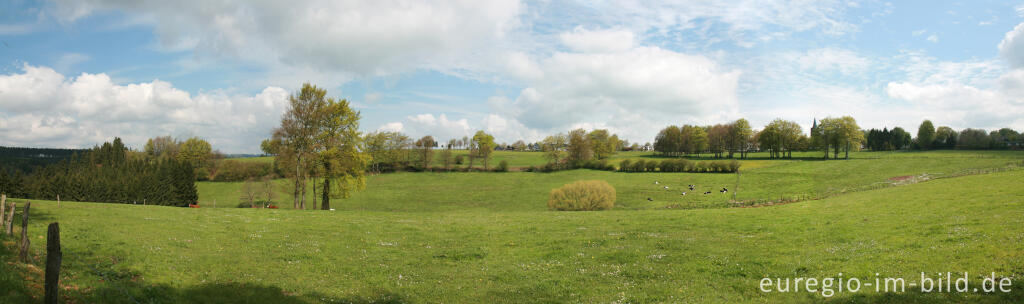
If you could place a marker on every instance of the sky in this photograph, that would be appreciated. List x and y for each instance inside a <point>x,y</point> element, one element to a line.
<point>77,73</point>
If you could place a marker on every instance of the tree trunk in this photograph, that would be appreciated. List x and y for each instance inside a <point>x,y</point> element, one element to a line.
<point>314,194</point>
<point>295,192</point>
<point>847,150</point>
<point>302,194</point>
<point>3,210</point>
<point>325,203</point>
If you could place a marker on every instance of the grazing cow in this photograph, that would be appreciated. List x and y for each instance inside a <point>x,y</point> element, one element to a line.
<point>708,192</point>
<point>684,193</point>
<point>691,187</point>
<point>649,199</point>
<point>655,182</point>
<point>666,187</point>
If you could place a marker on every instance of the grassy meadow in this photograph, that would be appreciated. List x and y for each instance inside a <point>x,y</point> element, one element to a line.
<point>488,237</point>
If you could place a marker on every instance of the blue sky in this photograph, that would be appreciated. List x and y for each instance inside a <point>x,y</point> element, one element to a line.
<point>76,73</point>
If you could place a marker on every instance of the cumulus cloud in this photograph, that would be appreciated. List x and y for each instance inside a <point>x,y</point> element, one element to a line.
<point>1011,47</point>
<point>961,106</point>
<point>358,37</point>
<point>40,107</point>
<point>440,127</point>
<point>600,81</point>
<point>582,40</point>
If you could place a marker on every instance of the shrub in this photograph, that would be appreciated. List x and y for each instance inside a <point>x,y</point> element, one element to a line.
<point>458,159</point>
<point>583,196</point>
<point>700,167</point>
<point>685,165</point>
<point>734,166</point>
<point>625,165</point>
<point>652,166</point>
<point>640,166</point>
<point>502,166</point>
<point>229,170</point>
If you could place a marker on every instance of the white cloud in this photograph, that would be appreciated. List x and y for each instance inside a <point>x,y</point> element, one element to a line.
<point>356,37</point>
<point>1011,47</point>
<point>583,40</point>
<point>440,127</point>
<point>963,106</point>
<point>392,127</point>
<point>636,90</point>
<point>41,107</point>
<point>933,38</point>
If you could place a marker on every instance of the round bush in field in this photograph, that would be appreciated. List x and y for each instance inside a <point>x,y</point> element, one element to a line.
<point>583,196</point>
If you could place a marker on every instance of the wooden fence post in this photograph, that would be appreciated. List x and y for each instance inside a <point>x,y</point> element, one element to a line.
<point>53,258</point>
<point>3,210</point>
<point>58,200</point>
<point>25,242</point>
<point>10,218</point>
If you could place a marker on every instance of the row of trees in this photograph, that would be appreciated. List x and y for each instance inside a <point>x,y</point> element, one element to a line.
<point>578,147</point>
<point>731,138</point>
<point>887,140</point>
<point>393,151</point>
<point>106,174</point>
<point>943,137</point>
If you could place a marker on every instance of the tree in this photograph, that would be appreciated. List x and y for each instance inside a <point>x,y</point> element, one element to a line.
<point>162,147</point>
<point>899,138</point>
<point>717,137</point>
<point>603,145</point>
<point>780,137</point>
<point>268,188</point>
<point>387,150</point>
<point>425,149</point>
<point>667,141</point>
<point>739,136</point>
<point>269,146</point>
<point>249,192</point>
<point>925,134</point>
<point>945,138</point>
<point>974,139</point>
<point>320,135</point>
<point>446,155</point>
<point>579,149</point>
<point>340,148</point>
<point>484,147</point>
<point>519,145</point>
<point>553,146</point>
<point>695,139</point>
<point>839,134</point>
<point>195,151</point>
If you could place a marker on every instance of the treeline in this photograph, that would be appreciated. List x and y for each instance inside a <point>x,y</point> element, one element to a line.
<point>943,137</point>
<point>25,159</point>
<point>107,174</point>
<point>734,137</point>
<point>832,135</point>
<point>209,164</point>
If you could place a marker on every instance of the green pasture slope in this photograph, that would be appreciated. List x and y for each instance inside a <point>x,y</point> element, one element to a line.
<point>760,179</point>
<point>395,249</point>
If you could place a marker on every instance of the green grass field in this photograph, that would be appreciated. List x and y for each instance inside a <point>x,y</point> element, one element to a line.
<point>487,237</point>
<point>527,191</point>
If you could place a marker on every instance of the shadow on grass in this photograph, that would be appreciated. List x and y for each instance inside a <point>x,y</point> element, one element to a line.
<point>20,283</point>
<point>119,292</point>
